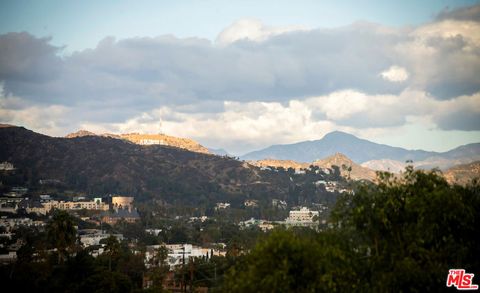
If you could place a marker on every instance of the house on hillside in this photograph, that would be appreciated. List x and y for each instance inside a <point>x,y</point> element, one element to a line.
<point>222,205</point>
<point>6,166</point>
<point>251,203</point>
<point>277,203</point>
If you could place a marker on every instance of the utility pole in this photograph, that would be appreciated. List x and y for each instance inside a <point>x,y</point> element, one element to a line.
<point>215,273</point>
<point>183,270</point>
<point>191,274</point>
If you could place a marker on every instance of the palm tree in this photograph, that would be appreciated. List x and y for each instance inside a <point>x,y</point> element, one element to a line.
<point>112,248</point>
<point>61,233</point>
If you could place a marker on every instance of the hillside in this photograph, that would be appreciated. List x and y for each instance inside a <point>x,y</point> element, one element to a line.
<point>344,164</point>
<point>149,139</point>
<point>162,139</point>
<point>103,165</point>
<point>279,163</point>
<point>361,150</point>
<point>80,133</point>
<point>463,174</point>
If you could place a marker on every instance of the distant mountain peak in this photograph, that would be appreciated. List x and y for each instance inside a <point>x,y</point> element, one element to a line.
<point>337,133</point>
<point>357,149</point>
<point>337,159</point>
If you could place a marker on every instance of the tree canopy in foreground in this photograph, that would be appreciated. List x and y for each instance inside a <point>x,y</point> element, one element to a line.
<point>402,235</point>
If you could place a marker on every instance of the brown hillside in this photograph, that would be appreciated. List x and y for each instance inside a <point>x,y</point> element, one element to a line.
<point>80,133</point>
<point>149,139</point>
<point>102,165</point>
<point>162,139</point>
<point>279,163</point>
<point>343,163</point>
<point>463,174</point>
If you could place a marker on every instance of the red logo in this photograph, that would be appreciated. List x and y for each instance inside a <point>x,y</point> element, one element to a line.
<point>461,280</point>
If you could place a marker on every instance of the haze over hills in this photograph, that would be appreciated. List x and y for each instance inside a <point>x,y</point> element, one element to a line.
<point>361,150</point>
<point>150,139</point>
<point>385,165</point>
<point>218,152</point>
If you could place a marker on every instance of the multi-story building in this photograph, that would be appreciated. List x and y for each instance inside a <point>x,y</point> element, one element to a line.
<point>302,215</point>
<point>45,206</point>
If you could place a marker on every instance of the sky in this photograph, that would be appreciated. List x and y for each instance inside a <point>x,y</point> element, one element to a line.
<point>243,75</point>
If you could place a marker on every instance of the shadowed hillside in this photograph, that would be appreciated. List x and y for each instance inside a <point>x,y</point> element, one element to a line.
<point>101,165</point>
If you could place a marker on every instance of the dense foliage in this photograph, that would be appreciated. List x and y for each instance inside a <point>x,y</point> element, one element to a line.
<point>402,235</point>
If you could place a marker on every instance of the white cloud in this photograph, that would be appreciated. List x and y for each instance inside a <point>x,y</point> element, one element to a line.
<point>251,125</point>
<point>253,30</point>
<point>395,74</point>
<point>283,84</point>
<point>341,104</point>
<point>51,119</point>
<point>450,29</point>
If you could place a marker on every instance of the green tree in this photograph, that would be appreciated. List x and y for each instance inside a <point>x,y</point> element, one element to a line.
<point>112,249</point>
<point>61,234</point>
<point>412,229</point>
<point>400,235</point>
<point>159,267</point>
<point>107,282</point>
<point>294,261</point>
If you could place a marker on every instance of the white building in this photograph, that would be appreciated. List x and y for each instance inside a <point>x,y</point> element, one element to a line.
<point>300,171</point>
<point>277,203</point>
<point>95,236</point>
<point>302,215</point>
<point>198,219</point>
<point>6,166</point>
<point>178,252</point>
<point>154,232</point>
<point>76,205</point>
<point>251,203</point>
<point>45,206</point>
<point>222,205</point>
<point>12,223</point>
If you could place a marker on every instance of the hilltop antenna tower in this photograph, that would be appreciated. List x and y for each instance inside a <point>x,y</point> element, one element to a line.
<point>160,126</point>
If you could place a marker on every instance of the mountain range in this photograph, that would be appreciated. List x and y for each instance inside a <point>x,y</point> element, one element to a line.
<point>363,151</point>
<point>168,167</point>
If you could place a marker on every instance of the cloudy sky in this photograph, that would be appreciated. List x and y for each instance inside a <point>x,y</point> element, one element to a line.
<point>244,75</point>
